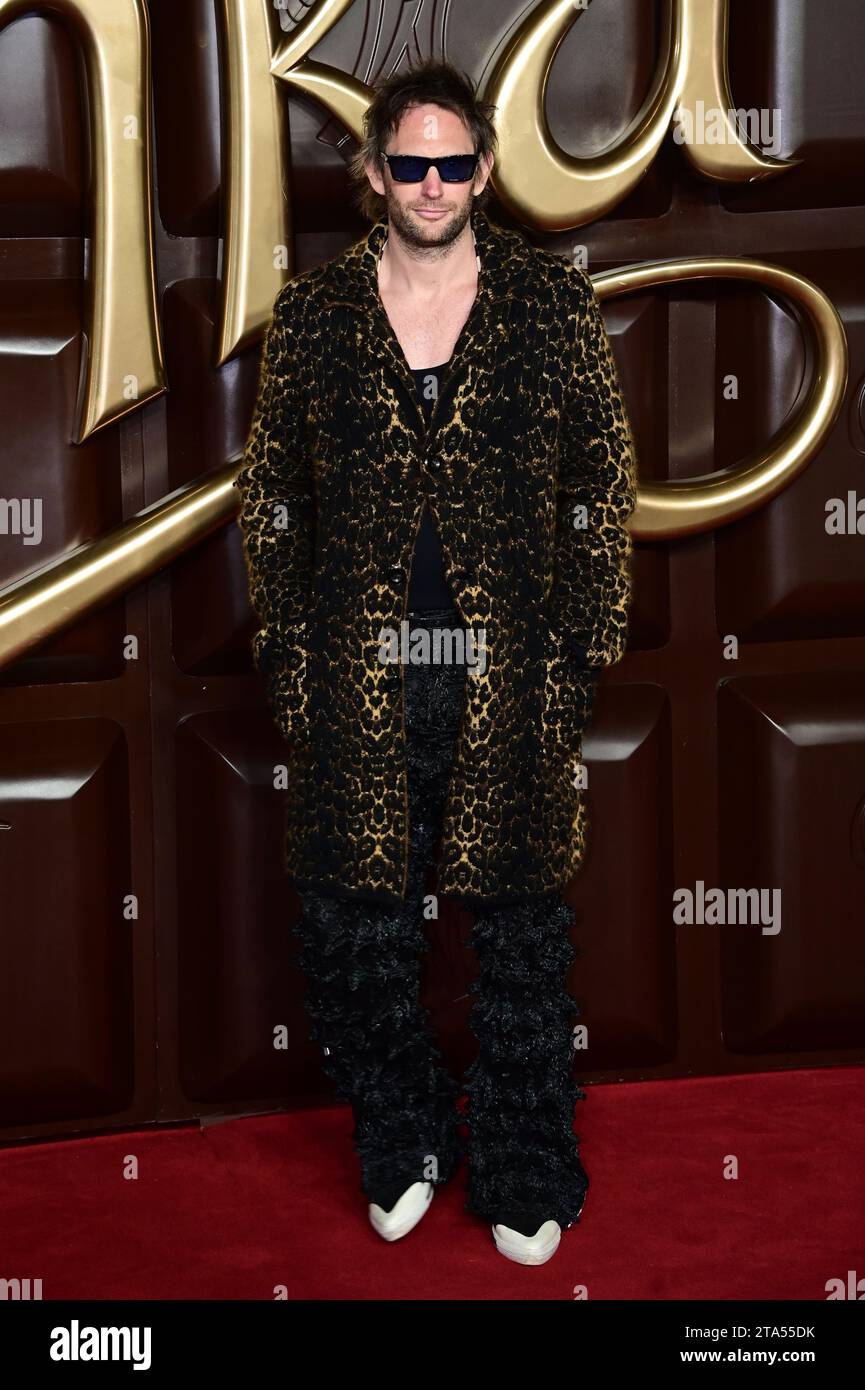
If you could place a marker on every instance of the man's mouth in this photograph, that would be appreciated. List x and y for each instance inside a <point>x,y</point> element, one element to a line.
<point>431,213</point>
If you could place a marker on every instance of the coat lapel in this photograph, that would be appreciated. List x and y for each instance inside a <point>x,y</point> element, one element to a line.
<point>382,366</point>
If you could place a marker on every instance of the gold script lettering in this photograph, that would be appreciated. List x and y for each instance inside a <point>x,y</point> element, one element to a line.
<point>121,319</point>
<point>683,508</point>
<point>545,187</point>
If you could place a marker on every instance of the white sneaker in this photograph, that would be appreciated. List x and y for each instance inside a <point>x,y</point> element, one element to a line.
<point>528,1250</point>
<point>404,1215</point>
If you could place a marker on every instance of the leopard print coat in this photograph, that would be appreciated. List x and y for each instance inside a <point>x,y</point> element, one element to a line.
<point>528,467</point>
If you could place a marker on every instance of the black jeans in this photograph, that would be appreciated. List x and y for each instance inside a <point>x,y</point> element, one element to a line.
<point>362,963</point>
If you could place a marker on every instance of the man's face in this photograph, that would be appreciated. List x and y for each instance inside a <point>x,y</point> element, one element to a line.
<point>429,213</point>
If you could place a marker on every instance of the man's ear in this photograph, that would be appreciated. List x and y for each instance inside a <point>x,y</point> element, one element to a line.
<point>374,175</point>
<point>485,168</point>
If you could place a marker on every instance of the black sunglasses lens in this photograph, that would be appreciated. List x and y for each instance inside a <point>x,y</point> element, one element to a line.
<point>408,168</point>
<point>457,168</point>
<point>412,168</point>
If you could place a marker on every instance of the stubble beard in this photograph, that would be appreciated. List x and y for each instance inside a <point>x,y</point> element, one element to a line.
<point>433,239</point>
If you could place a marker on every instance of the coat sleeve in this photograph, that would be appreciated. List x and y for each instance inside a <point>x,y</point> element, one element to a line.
<point>277,519</point>
<point>596,494</point>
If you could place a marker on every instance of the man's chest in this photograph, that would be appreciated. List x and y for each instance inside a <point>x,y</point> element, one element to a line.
<point>428,334</point>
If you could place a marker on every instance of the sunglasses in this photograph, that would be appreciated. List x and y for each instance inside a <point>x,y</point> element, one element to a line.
<point>413,168</point>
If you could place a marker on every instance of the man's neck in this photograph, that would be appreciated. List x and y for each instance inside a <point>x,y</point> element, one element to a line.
<point>426,273</point>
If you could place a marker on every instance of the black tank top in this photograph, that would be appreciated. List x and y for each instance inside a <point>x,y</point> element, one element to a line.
<point>428,586</point>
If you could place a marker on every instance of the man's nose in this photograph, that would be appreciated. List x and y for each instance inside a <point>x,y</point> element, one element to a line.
<point>432,186</point>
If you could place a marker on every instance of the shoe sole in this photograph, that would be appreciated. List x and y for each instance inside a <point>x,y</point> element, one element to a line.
<point>404,1216</point>
<point>528,1250</point>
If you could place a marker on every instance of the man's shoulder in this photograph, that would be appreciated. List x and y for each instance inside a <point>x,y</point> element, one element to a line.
<point>301,290</point>
<point>532,266</point>
<point>561,273</point>
<point>338,274</point>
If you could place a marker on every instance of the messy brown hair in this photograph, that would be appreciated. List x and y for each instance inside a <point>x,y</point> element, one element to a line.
<point>430,82</point>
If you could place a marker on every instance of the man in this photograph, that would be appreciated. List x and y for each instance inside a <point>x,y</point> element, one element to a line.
<point>440,450</point>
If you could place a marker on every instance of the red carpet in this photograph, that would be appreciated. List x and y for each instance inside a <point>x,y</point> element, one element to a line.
<point>235,1209</point>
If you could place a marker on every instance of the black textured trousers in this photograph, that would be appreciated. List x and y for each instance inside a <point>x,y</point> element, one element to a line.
<point>362,964</point>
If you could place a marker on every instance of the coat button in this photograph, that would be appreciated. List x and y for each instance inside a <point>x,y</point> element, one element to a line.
<point>434,463</point>
<point>396,574</point>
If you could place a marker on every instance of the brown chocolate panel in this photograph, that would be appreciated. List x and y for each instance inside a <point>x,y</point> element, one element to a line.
<point>802,64</point>
<point>792,824</point>
<point>67,1021</point>
<point>64,495</point>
